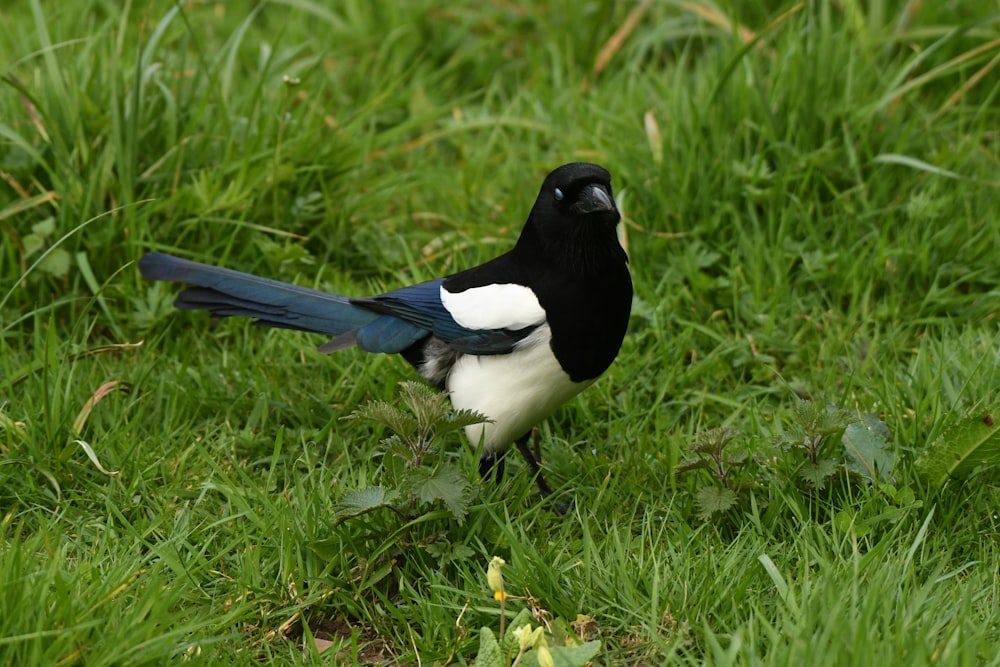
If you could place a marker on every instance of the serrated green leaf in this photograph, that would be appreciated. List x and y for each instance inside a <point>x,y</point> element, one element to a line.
<point>712,441</point>
<point>712,499</point>
<point>361,501</point>
<point>427,416</point>
<point>962,448</point>
<point>444,551</point>
<point>427,404</point>
<point>690,464</point>
<point>396,445</point>
<point>489,649</point>
<point>390,416</point>
<point>817,473</point>
<point>813,423</point>
<point>459,419</point>
<point>460,552</point>
<point>445,483</point>
<point>867,449</point>
<point>737,457</point>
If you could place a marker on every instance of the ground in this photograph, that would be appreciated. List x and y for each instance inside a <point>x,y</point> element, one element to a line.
<point>811,203</point>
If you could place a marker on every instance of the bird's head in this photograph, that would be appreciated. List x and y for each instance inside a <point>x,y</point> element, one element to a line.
<point>576,193</point>
<point>575,214</point>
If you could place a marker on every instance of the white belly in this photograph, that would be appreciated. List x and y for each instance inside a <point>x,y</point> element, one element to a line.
<point>516,391</point>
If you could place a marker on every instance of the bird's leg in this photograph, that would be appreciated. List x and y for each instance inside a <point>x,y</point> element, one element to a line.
<point>536,470</point>
<point>492,463</point>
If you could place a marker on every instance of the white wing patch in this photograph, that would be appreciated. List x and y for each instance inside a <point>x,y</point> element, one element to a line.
<point>505,306</point>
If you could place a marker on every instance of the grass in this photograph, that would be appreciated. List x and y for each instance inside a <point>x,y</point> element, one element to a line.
<point>811,200</point>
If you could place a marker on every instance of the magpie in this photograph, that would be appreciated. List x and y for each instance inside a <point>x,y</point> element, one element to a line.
<point>513,338</point>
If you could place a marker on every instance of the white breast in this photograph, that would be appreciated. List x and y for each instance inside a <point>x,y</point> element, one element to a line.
<point>516,391</point>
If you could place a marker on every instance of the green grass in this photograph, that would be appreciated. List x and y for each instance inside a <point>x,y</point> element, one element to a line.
<point>813,213</point>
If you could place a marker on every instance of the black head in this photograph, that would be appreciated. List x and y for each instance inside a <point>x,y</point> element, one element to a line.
<point>574,216</point>
<point>576,191</point>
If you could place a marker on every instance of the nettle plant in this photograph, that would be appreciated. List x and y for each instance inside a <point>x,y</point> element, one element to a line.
<point>420,492</point>
<point>424,418</point>
<point>819,443</point>
<point>416,483</point>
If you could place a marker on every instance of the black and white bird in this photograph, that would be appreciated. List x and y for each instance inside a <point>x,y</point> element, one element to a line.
<point>513,338</point>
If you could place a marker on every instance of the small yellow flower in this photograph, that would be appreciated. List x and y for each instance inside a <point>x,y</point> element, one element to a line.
<point>494,577</point>
<point>544,657</point>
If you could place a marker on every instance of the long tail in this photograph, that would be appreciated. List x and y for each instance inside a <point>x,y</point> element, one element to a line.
<point>227,293</point>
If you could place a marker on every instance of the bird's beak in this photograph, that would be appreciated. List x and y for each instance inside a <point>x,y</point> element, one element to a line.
<point>594,198</point>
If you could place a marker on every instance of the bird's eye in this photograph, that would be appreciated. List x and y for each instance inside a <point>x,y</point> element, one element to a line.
<point>559,194</point>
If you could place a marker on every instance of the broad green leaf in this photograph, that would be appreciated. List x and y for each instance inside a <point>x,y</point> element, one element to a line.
<point>867,449</point>
<point>566,656</point>
<point>712,499</point>
<point>445,483</point>
<point>444,551</point>
<point>55,263</point>
<point>817,473</point>
<point>31,243</point>
<point>848,521</point>
<point>575,656</point>
<point>688,465</point>
<point>44,227</point>
<point>489,650</point>
<point>961,449</point>
<point>903,496</point>
<point>361,501</point>
<point>509,646</point>
<point>736,457</point>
